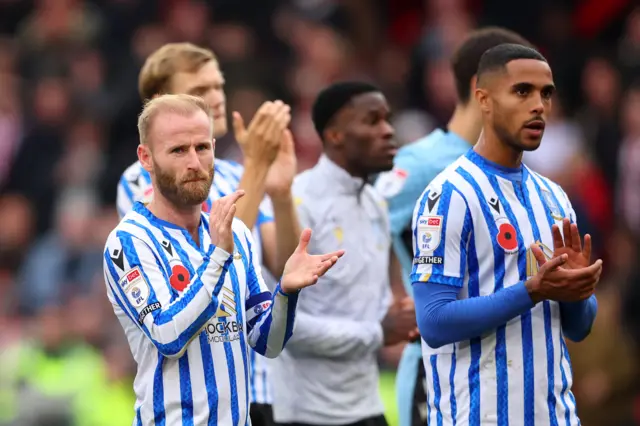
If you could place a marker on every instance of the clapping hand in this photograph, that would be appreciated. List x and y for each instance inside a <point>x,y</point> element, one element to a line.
<point>578,256</point>
<point>303,269</point>
<point>221,220</point>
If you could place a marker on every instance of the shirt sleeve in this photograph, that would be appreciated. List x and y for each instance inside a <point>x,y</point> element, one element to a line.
<point>125,197</point>
<point>270,317</point>
<point>441,228</point>
<point>140,287</point>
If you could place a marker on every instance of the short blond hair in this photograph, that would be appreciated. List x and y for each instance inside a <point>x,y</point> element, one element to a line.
<point>181,104</point>
<point>157,71</point>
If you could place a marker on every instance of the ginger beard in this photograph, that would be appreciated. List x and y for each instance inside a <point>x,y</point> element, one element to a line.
<point>189,190</point>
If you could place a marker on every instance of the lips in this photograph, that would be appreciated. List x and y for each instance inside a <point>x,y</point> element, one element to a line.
<point>535,125</point>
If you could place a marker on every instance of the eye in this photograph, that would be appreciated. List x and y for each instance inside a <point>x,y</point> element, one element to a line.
<point>177,150</point>
<point>547,93</point>
<point>522,92</point>
<point>203,147</point>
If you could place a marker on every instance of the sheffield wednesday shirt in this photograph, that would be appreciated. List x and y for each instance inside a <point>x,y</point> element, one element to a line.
<point>190,313</point>
<point>329,372</point>
<point>135,185</point>
<point>472,227</point>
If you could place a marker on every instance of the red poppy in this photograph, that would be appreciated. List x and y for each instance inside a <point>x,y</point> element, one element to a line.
<point>507,237</point>
<point>179,277</point>
<point>205,207</point>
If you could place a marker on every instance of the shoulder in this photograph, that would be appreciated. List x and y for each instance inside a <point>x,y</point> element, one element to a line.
<point>133,172</point>
<point>303,187</point>
<point>229,167</point>
<point>550,191</point>
<point>131,228</point>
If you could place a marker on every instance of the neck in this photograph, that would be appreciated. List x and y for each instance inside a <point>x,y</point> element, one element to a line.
<point>186,217</point>
<point>466,122</point>
<point>495,150</point>
<point>344,164</point>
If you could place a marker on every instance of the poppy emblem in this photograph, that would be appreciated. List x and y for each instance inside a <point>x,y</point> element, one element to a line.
<point>507,237</point>
<point>179,277</point>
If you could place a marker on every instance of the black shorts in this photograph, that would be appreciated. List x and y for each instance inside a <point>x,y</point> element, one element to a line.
<point>261,415</point>
<point>371,421</point>
<point>419,405</point>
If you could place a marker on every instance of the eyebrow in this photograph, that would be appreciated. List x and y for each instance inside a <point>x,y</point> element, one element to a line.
<point>528,86</point>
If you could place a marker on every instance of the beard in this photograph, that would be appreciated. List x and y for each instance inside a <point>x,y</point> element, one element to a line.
<point>513,140</point>
<point>182,193</point>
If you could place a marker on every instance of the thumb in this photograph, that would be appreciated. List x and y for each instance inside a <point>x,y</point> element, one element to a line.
<point>238,124</point>
<point>305,237</point>
<point>554,263</point>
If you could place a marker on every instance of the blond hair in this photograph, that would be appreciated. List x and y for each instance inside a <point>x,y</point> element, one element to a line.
<point>157,71</point>
<point>181,104</point>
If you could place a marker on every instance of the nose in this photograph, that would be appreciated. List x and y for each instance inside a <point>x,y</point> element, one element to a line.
<point>214,98</point>
<point>387,131</point>
<point>538,105</point>
<point>193,161</point>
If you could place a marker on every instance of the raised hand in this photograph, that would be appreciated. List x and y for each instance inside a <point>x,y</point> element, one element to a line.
<point>303,269</point>
<point>260,142</point>
<point>554,281</point>
<point>221,219</point>
<point>284,168</point>
<point>578,256</point>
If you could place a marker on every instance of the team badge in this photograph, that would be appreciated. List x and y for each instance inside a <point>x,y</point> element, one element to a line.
<point>390,184</point>
<point>429,233</point>
<point>180,277</point>
<point>552,205</point>
<point>507,237</point>
<point>135,287</point>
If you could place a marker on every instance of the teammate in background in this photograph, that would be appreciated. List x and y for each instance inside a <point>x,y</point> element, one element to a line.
<point>269,167</point>
<point>415,166</point>
<point>186,286</point>
<point>500,273</point>
<point>328,375</point>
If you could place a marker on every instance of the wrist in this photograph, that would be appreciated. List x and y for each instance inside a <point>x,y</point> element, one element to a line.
<point>255,167</point>
<point>532,289</point>
<point>283,289</point>
<point>280,198</point>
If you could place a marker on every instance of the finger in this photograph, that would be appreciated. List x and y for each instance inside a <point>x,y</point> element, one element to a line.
<point>586,252</point>
<point>238,124</point>
<point>305,237</point>
<point>557,237</point>
<point>261,115</point>
<point>538,254</point>
<point>576,243</point>
<point>553,263</point>
<point>235,196</point>
<point>586,273</point>
<point>337,254</point>
<point>566,229</point>
<point>287,144</point>
<point>325,266</point>
<point>228,220</point>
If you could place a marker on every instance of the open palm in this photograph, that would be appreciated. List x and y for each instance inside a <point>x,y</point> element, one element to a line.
<point>578,256</point>
<point>303,269</point>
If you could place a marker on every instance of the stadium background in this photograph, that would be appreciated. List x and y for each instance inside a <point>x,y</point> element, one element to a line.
<point>68,105</point>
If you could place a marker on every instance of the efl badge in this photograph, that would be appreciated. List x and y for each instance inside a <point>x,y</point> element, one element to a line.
<point>429,232</point>
<point>135,287</point>
<point>551,203</point>
<point>507,237</point>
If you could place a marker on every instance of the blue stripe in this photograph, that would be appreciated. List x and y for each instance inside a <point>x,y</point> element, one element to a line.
<point>476,342</point>
<point>252,282</point>
<point>524,198</point>
<point>292,301</point>
<point>499,272</point>
<point>185,390</point>
<point>265,387</point>
<point>209,379</point>
<point>254,394</point>
<point>565,383</point>
<point>145,174</point>
<point>158,393</point>
<point>240,318</point>
<point>167,267</point>
<point>127,188</point>
<point>127,309</point>
<point>452,396</point>
<point>443,210</point>
<point>138,417</point>
<point>433,359</point>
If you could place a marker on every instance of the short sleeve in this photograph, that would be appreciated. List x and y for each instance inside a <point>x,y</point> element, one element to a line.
<point>441,228</point>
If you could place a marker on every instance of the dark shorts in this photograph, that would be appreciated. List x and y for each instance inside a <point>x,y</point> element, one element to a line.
<point>371,421</point>
<point>261,415</point>
<point>419,405</point>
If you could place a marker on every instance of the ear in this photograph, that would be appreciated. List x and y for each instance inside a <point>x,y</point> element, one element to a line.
<point>482,97</point>
<point>144,156</point>
<point>333,137</point>
<point>473,83</point>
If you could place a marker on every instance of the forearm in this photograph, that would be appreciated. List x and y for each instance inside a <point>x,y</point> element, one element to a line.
<point>442,319</point>
<point>274,327</point>
<point>287,230</point>
<point>578,318</point>
<point>253,184</point>
<point>319,336</point>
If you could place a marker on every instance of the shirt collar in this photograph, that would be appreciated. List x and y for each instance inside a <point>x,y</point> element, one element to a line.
<point>338,175</point>
<point>514,174</point>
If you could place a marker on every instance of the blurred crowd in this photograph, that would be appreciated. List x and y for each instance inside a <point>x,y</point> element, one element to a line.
<point>68,106</point>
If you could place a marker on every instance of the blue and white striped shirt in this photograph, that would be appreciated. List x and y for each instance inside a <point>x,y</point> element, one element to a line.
<point>135,185</point>
<point>190,313</point>
<point>472,229</point>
